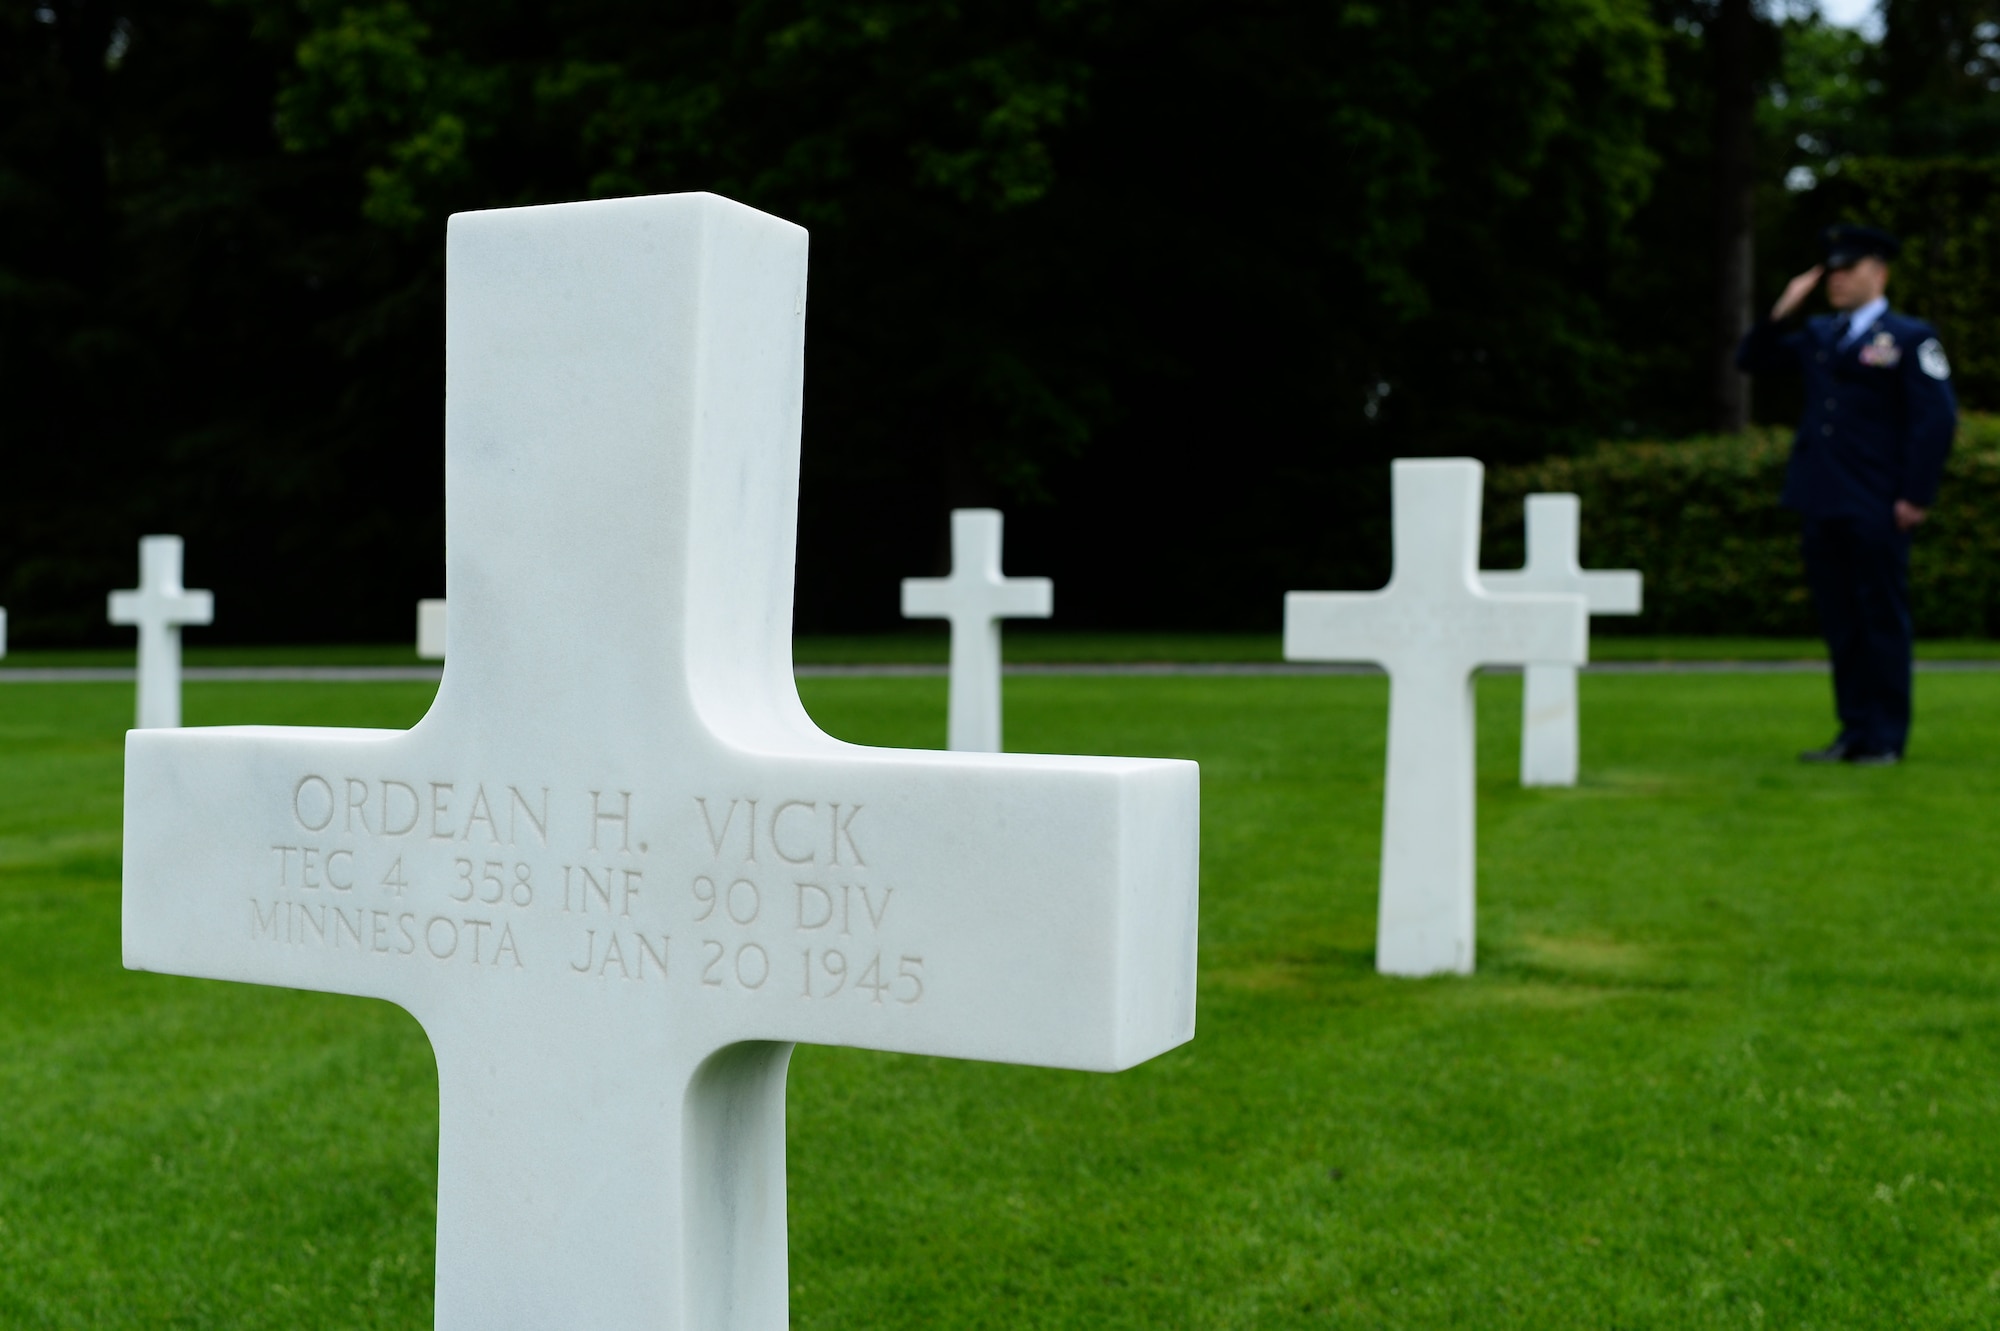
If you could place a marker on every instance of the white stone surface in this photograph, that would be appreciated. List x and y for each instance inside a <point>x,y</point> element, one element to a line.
<point>1430,628</point>
<point>159,608</point>
<point>1549,724</point>
<point>975,598</point>
<point>430,630</point>
<point>617,871</point>
<point>3,633</point>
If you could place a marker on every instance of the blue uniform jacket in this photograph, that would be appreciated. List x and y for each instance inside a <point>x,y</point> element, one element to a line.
<point>1879,414</point>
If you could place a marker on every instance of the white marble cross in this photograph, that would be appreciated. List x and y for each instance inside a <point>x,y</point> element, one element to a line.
<point>1430,628</point>
<point>1548,692</point>
<point>159,607</point>
<point>975,598</point>
<point>430,629</point>
<point>617,870</point>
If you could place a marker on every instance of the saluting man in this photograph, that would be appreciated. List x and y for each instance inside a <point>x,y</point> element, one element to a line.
<point>1879,419</point>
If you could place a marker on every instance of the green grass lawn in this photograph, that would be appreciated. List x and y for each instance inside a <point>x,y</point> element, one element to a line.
<point>1729,1060</point>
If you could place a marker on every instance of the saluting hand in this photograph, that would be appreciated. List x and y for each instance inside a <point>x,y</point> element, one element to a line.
<point>1796,292</point>
<point>1908,515</point>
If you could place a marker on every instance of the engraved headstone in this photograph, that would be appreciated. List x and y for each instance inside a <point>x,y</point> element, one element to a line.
<point>158,608</point>
<point>1431,628</point>
<point>975,598</point>
<point>1549,746</point>
<point>430,630</point>
<point>617,870</point>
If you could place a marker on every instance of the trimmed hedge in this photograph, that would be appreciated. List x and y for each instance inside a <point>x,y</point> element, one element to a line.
<point>1700,519</point>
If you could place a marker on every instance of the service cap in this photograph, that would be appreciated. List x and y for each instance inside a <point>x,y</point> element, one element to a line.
<point>1847,245</point>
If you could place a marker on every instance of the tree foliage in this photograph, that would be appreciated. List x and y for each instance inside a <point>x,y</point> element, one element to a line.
<point>1939,68</point>
<point>1170,281</point>
<point>1903,133</point>
<point>1128,269</point>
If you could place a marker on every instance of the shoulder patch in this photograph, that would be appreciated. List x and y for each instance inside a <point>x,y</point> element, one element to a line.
<point>1931,359</point>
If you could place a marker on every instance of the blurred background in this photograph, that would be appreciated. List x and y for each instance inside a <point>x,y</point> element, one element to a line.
<point>1167,280</point>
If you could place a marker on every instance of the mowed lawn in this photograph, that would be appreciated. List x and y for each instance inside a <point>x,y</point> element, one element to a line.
<point>1732,1056</point>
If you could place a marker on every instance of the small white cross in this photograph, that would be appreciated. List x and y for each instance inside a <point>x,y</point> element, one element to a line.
<point>430,629</point>
<point>975,598</point>
<point>617,870</point>
<point>1430,628</point>
<point>159,608</point>
<point>1548,693</point>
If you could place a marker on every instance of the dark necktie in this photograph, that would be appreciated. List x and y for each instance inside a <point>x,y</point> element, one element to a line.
<point>1840,330</point>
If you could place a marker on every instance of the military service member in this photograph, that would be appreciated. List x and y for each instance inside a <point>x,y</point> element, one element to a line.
<point>1878,422</point>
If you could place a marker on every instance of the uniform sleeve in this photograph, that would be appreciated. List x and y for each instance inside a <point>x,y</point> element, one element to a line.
<point>1932,416</point>
<point>1768,348</point>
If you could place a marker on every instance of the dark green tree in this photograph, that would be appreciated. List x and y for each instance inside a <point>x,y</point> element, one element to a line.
<point>1940,76</point>
<point>1185,269</point>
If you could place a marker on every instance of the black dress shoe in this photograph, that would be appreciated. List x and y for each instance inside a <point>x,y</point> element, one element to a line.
<point>1839,751</point>
<point>1880,758</point>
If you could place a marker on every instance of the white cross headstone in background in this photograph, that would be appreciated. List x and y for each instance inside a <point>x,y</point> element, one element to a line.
<point>617,870</point>
<point>1430,628</point>
<point>975,598</point>
<point>1549,745</point>
<point>159,608</point>
<point>430,630</point>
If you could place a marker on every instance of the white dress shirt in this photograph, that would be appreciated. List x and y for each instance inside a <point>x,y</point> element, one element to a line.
<point>1861,320</point>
